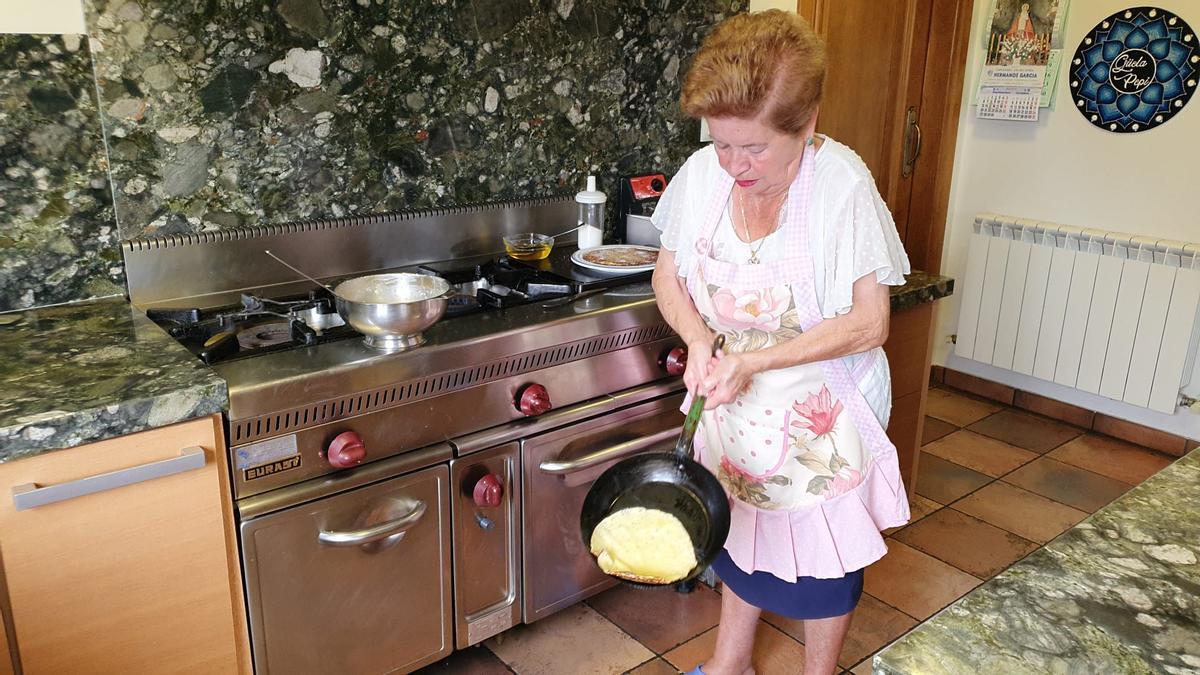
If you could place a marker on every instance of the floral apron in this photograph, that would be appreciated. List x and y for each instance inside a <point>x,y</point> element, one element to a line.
<point>812,473</point>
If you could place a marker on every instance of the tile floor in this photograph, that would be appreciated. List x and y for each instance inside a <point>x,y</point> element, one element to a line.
<point>995,483</point>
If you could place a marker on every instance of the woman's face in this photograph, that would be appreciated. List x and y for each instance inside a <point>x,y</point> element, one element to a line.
<point>761,159</point>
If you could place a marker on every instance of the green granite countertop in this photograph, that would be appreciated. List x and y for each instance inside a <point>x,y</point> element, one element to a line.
<point>75,374</point>
<point>1118,593</point>
<point>920,288</point>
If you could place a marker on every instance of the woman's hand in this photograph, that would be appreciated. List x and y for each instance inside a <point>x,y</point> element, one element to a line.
<point>699,364</point>
<point>730,375</point>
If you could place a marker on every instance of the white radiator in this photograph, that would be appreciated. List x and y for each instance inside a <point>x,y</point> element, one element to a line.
<point>1103,312</point>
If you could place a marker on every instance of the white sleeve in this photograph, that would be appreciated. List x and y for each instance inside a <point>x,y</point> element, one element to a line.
<point>671,216</point>
<point>864,241</point>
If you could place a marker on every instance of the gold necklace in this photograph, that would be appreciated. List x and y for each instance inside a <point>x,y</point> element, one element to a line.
<point>746,226</point>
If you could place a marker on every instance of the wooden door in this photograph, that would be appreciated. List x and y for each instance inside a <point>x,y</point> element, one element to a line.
<point>892,95</point>
<point>134,579</point>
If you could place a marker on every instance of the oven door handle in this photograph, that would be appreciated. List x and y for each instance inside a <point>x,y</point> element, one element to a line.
<point>562,468</point>
<point>374,533</point>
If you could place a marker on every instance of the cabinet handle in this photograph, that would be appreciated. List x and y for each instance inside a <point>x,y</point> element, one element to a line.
<point>375,533</point>
<point>912,143</point>
<point>31,495</point>
<point>561,468</point>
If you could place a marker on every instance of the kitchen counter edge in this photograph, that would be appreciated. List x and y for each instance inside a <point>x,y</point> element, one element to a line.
<point>84,372</point>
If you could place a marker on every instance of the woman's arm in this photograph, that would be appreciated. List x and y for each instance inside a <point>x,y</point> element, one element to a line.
<point>675,304</point>
<point>863,328</point>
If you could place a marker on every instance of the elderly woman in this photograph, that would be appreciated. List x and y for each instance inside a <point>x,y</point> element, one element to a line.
<point>777,238</point>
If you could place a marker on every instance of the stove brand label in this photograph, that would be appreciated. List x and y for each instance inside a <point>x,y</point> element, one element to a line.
<point>256,472</point>
<point>265,452</point>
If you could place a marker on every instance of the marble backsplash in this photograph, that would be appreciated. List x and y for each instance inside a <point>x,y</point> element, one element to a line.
<point>224,114</point>
<point>58,239</point>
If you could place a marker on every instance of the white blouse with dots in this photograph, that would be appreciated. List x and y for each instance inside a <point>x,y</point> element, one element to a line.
<point>851,235</point>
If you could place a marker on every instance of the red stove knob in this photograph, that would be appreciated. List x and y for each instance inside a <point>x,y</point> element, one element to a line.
<point>674,361</point>
<point>488,491</point>
<point>346,450</point>
<point>533,400</point>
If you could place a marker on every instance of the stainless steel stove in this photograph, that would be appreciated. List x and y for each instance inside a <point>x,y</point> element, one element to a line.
<point>393,507</point>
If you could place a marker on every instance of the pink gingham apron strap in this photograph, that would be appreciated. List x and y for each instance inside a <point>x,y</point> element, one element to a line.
<point>837,376</point>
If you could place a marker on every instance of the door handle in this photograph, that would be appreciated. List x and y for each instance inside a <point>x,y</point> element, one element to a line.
<point>561,468</point>
<point>912,142</point>
<point>31,495</point>
<point>374,533</point>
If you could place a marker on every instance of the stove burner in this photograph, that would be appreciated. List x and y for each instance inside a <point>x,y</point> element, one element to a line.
<point>258,325</point>
<point>265,335</point>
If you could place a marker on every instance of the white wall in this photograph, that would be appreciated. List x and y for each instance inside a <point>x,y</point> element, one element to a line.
<point>1064,170</point>
<point>41,16</point>
<point>760,5</point>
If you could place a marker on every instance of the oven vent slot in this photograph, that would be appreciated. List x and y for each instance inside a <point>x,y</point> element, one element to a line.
<point>288,421</point>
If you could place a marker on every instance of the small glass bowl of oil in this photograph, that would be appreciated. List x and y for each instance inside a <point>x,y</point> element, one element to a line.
<point>528,246</point>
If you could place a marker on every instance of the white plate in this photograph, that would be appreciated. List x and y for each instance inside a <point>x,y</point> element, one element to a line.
<point>577,258</point>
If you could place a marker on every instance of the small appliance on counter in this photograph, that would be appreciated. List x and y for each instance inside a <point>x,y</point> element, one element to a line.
<point>636,200</point>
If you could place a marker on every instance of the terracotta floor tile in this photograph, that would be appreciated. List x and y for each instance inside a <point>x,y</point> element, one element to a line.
<point>944,481</point>
<point>1020,511</point>
<point>918,507</point>
<point>957,408</point>
<point>661,619</point>
<point>1112,457</point>
<point>655,667</point>
<point>915,583</point>
<point>1067,484</point>
<point>774,652</point>
<point>979,453</point>
<point>477,660</point>
<point>968,543</point>
<point>874,625</point>
<point>576,640</point>
<point>935,429</point>
<point>1024,430</point>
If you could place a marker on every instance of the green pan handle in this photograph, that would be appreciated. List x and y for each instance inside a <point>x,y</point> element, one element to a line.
<point>683,447</point>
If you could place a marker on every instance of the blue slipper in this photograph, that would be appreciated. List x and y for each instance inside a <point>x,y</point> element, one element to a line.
<point>697,671</point>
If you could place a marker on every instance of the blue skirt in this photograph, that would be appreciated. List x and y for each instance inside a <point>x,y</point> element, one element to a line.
<point>804,598</point>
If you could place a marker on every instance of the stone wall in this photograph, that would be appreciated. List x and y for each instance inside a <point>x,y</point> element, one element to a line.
<point>233,113</point>
<point>58,239</point>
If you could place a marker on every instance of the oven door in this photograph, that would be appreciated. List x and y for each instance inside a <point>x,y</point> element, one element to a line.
<point>558,468</point>
<point>356,582</point>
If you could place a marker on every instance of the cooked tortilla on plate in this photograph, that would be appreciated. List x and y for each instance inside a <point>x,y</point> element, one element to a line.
<point>621,256</point>
<point>645,545</point>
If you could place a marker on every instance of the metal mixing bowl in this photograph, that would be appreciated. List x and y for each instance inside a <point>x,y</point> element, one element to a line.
<point>391,310</point>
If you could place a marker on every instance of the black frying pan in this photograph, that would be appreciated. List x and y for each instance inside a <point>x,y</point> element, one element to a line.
<point>668,481</point>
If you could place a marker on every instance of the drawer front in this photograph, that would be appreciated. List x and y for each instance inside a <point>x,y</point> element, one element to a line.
<point>125,576</point>
<point>358,582</point>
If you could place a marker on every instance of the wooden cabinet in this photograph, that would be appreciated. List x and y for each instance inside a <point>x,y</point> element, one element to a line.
<point>909,349</point>
<point>137,578</point>
<point>892,93</point>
